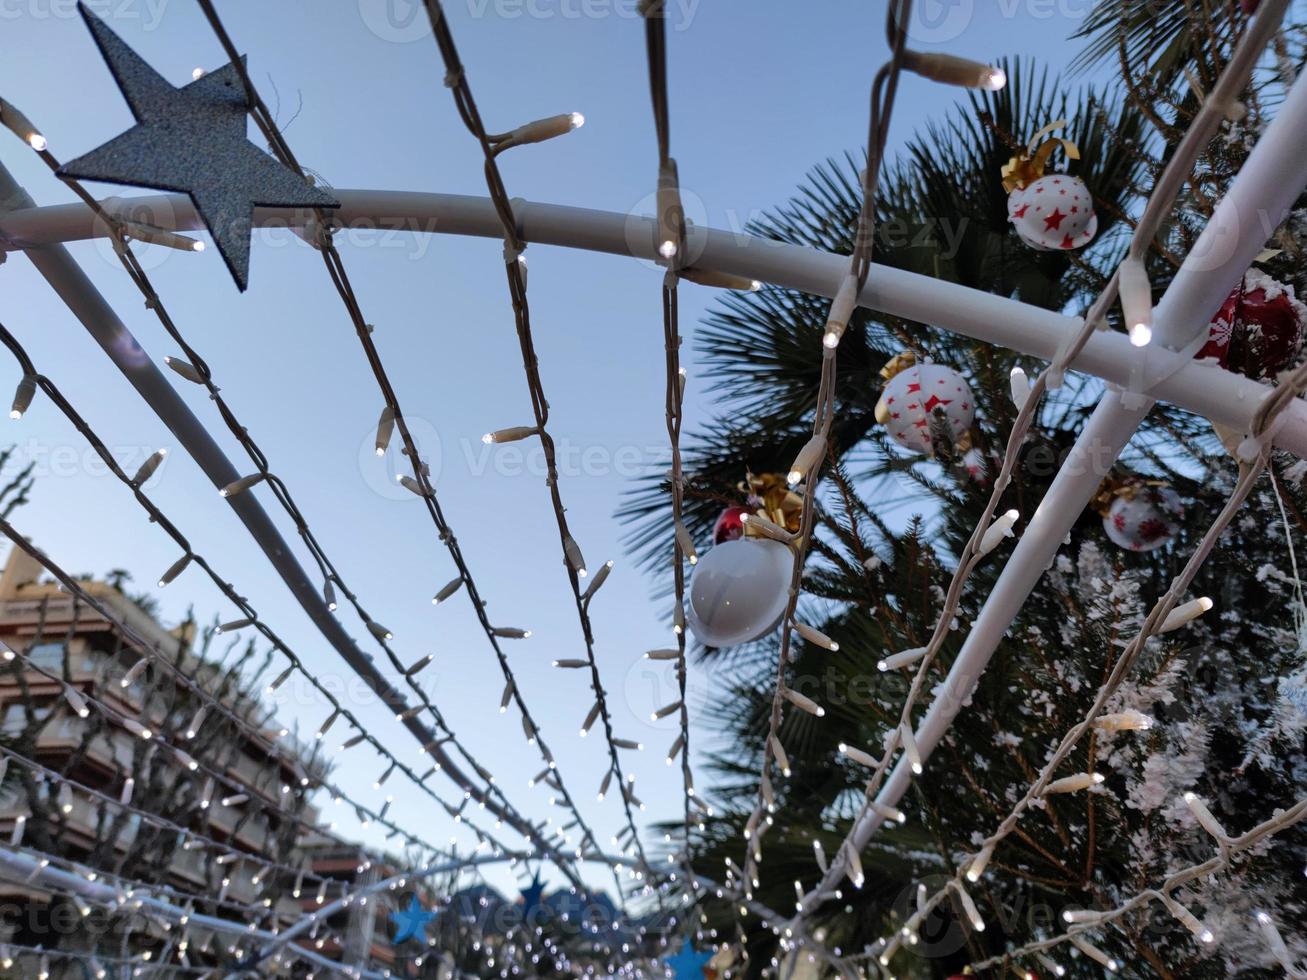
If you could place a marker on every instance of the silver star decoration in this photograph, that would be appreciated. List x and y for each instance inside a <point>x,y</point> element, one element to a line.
<point>193,140</point>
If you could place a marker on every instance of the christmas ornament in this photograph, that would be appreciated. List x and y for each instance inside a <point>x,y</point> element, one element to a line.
<point>920,400</point>
<point>193,140</point>
<point>1050,212</point>
<point>1258,330</point>
<point>411,923</point>
<point>730,525</point>
<point>978,467</point>
<point>688,963</point>
<point>771,496</point>
<point>739,590</point>
<point>1139,515</point>
<point>532,895</point>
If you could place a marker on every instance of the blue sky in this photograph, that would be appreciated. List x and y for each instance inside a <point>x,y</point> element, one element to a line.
<point>760,91</point>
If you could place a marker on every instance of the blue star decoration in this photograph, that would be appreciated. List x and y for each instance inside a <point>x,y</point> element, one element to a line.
<point>411,923</point>
<point>192,140</point>
<point>531,895</point>
<point>688,963</point>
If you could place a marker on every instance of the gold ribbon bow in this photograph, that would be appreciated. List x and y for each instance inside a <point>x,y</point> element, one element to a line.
<point>777,502</point>
<point>1028,165</point>
<point>897,363</point>
<point>1114,486</point>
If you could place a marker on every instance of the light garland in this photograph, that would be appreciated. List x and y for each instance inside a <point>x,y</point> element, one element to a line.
<point>514,246</point>
<point>1027,398</point>
<point>158,517</point>
<point>197,372</point>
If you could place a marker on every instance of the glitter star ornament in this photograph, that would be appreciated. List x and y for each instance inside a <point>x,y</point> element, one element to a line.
<point>411,922</point>
<point>532,895</point>
<point>192,140</point>
<point>688,963</point>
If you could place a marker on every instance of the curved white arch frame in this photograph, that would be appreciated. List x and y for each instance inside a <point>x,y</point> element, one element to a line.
<point>1221,396</point>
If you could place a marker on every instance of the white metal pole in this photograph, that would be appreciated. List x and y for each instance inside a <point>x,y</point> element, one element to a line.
<point>1221,396</point>
<point>1273,176</point>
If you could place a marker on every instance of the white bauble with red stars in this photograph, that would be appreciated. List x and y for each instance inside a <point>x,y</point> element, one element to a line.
<point>917,393</point>
<point>1144,519</point>
<point>1053,213</point>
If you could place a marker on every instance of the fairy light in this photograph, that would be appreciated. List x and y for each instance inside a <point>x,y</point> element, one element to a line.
<point>816,637</point>
<point>909,742</point>
<point>1136,301</point>
<point>1094,953</point>
<point>512,434</point>
<point>18,124</point>
<point>539,131</point>
<point>1121,721</point>
<point>149,467</point>
<point>1075,783</point>
<point>76,701</point>
<point>598,580</point>
<point>385,428</point>
<point>686,543</point>
<point>858,756</point>
<point>447,590</point>
<point>903,659</point>
<point>175,569</point>
<point>23,396</point>
<point>980,862</point>
<point>185,369</point>
<point>1184,613</point>
<point>803,702</point>
<point>768,529</point>
<point>997,531</point>
<point>1204,816</point>
<point>1019,385</point>
<point>887,812</point>
<point>243,484</point>
<point>133,672</point>
<point>952,70</point>
<point>809,456</point>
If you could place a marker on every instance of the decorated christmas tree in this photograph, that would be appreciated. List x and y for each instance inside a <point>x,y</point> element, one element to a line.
<point>1216,708</point>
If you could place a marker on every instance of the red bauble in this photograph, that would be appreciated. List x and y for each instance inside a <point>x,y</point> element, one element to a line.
<point>1258,330</point>
<point>730,525</point>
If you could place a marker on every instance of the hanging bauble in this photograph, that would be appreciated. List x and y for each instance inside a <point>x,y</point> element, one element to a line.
<point>739,591</point>
<point>1050,211</point>
<point>918,393</point>
<point>1139,515</point>
<point>978,467</point>
<point>730,525</point>
<point>1258,330</point>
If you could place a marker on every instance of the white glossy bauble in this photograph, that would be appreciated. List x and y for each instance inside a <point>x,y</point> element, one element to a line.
<point>1145,521</point>
<point>739,591</point>
<point>913,395</point>
<point>1053,213</point>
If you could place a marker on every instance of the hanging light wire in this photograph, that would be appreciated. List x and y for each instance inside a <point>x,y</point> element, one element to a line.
<point>340,279</point>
